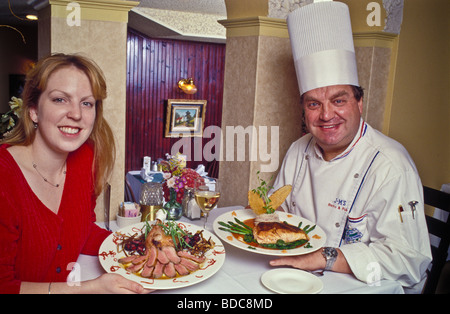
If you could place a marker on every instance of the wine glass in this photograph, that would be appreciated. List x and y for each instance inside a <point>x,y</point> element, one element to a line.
<point>207,194</point>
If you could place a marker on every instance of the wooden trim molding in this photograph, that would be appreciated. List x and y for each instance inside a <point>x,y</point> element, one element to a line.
<point>374,39</point>
<point>95,10</point>
<point>256,26</point>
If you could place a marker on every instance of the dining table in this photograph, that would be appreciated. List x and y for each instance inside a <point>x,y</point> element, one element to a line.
<point>242,270</point>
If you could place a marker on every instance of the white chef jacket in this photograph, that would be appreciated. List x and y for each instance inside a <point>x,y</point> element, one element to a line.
<point>361,200</point>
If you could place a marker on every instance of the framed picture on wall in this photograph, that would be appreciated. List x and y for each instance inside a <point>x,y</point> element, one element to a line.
<point>185,118</point>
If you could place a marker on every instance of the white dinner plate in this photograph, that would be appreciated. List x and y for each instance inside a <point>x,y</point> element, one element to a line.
<point>291,281</point>
<point>109,256</point>
<point>317,236</point>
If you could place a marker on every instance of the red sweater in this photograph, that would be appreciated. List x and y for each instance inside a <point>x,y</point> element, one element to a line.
<point>36,244</point>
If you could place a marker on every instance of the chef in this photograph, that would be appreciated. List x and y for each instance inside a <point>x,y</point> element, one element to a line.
<point>357,184</point>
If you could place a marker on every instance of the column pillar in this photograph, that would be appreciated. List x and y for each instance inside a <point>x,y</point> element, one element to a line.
<point>97,29</point>
<point>260,94</point>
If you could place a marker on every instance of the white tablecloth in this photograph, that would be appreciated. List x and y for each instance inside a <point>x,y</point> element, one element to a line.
<point>242,271</point>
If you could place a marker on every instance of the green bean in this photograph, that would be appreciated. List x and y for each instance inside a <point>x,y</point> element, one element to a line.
<point>233,231</point>
<point>243,224</point>
<point>223,224</point>
<point>227,225</point>
<point>281,245</point>
<point>232,227</point>
<point>309,230</point>
<point>236,226</point>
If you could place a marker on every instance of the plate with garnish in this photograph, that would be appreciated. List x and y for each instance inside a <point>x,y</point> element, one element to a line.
<point>283,234</point>
<point>162,255</point>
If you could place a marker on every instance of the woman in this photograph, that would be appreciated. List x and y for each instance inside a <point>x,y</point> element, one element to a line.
<point>53,166</point>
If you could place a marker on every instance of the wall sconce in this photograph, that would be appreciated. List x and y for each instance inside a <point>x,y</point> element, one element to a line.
<point>187,86</point>
<point>32,17</point>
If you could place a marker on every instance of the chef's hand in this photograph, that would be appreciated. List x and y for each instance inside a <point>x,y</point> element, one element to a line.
<point>312,261</point>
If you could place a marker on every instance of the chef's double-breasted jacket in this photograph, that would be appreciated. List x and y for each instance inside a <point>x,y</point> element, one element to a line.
<point>369,202</point>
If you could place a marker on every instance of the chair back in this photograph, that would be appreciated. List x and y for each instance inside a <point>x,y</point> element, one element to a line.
<point>440,229</point>
<point>129,194</point>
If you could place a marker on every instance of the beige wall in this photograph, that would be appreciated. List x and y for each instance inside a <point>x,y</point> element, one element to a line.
<point>260,90</point>
<point>110,55</point>
<point>420,115</point>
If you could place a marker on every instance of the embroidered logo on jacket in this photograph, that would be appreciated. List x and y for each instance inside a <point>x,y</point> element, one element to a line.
<point>338,204</point>
<point>351,233</point>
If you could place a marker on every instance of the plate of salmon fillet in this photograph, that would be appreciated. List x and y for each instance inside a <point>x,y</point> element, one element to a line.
<point>278,234</point>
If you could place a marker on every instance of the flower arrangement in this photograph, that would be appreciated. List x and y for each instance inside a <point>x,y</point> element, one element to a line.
<point>9,119</point>
<point>177,176</point>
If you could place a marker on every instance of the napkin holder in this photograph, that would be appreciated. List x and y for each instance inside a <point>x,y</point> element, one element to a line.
<point>129,213</point>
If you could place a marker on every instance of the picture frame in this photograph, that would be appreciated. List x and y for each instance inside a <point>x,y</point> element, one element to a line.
<point>185,118</point>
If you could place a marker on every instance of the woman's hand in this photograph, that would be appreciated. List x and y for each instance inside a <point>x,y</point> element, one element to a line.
<point>106,283</point>
<point>113,283</point>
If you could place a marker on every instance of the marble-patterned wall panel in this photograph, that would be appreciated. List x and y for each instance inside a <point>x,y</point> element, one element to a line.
<point>261,90</point>
<point>278,103</point>
<point>238,110</point>
<point>105,43</point>
<point>373,74</point>
<point>378,87</point>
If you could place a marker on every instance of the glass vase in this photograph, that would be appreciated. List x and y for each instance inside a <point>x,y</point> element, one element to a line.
<point>173,208</point>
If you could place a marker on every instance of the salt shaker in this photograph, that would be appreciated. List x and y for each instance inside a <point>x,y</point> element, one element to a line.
<point>190,207</point>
